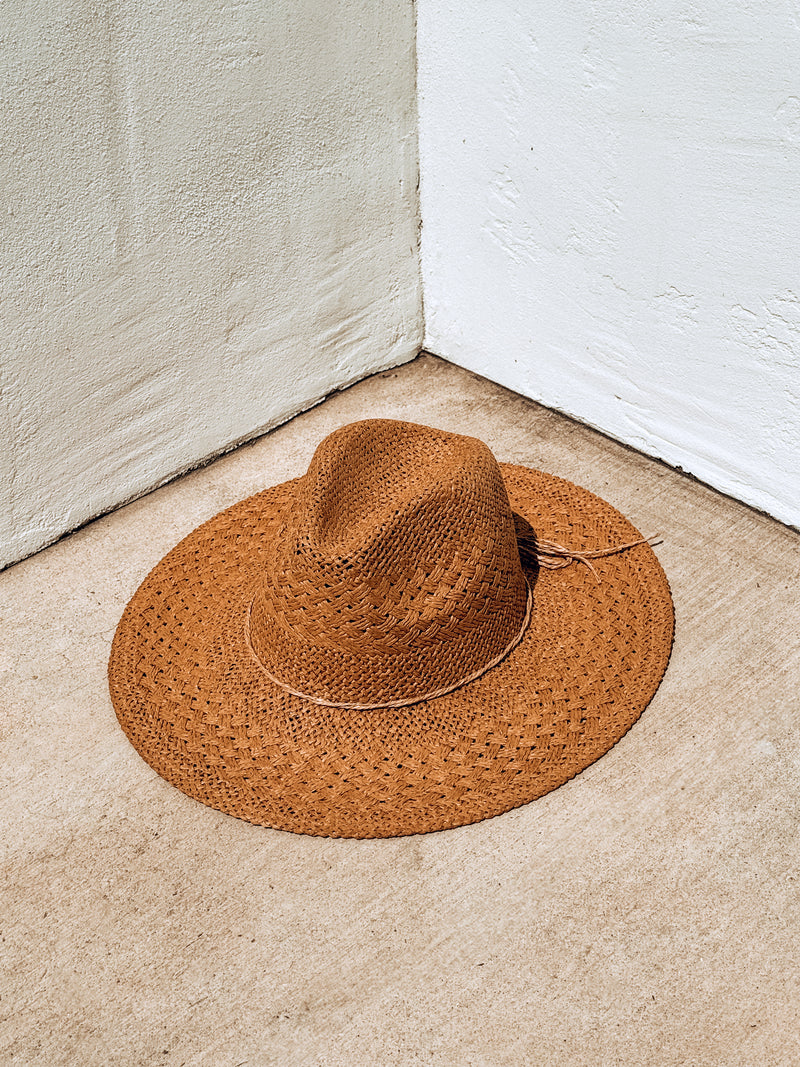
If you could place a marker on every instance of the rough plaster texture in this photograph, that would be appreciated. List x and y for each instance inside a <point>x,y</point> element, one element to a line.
<point>609,198</point>
<point>209,222</point>
<point>647,914</point>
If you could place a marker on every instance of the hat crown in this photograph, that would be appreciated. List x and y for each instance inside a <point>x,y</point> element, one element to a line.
<point>396,572</point>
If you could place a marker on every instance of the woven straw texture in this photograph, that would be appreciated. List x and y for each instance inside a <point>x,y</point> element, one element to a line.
<point>389,571</point>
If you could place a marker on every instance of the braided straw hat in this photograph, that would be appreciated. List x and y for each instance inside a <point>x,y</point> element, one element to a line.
<point>381,648</point>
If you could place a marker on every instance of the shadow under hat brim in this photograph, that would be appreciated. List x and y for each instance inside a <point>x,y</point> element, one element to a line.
<point>201,712</point>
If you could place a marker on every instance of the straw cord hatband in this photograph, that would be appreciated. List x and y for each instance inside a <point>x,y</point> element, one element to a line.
<point>546,554</point>
<point>403,702</point>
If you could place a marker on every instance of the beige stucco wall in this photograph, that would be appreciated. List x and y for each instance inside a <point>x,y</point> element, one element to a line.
<point>209,221</point>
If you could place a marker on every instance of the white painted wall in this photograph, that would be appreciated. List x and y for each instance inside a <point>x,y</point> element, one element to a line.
<point>209,221</point>
<point>611,220</point>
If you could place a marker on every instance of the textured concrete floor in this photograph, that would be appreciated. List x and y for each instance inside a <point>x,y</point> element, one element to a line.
<point>646,913</point>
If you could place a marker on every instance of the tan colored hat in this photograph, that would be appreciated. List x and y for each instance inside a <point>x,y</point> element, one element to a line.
<point>362,652</point>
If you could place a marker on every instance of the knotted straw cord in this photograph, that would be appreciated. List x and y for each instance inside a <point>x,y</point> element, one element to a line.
<point>552,556</point>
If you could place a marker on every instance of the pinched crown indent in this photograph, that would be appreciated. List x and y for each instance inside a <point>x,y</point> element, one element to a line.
<point>397,572</point>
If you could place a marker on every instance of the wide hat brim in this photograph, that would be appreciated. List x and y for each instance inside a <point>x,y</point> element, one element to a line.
<point>201,712</point>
